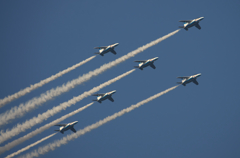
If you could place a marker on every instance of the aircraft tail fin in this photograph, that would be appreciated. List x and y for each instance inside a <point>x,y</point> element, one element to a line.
<point>96,100</point>
<point>183,27</point>
<point>59,131</point>
<point>99,53</point>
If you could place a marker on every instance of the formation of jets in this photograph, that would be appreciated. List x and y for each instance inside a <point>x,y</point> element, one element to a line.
<point>65,127</point>
<point>142,64</point>
<point>191,23</point>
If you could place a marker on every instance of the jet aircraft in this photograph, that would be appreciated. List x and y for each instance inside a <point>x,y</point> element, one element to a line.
<point>104,96</point>
<point>65,127</point>
<point>191,23</point>
<point>144,63</point>
<point>188,79</point>
<point>105,49</point>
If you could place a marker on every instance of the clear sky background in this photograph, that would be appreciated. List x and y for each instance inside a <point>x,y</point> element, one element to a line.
<point>40,38</point>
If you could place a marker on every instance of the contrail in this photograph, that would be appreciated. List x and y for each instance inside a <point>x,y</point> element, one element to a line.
<point>44,116</point>
<point>17,112</point>
<point>41,83</point>
<point>65,140</point>
<point>30,146</point>
<point>41,129</point>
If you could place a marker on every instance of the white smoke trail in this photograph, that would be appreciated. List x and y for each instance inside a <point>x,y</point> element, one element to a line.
<point>44,116</point>
<point>41,83</point>
<point>65,140</point>
<point>41,129</point>
<point>16,112</point>
<point>30,146</point>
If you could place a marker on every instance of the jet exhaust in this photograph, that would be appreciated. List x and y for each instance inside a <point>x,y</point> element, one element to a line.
<point>40,130</point>
<point>30,146</point>
<point>26,90</point>
<point>52,146</point>
<point>44,116</point>
<point>22,109</point>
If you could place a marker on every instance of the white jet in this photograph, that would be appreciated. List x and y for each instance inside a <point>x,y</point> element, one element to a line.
<point>188,79</point>
<point>191,23</point>
<point>104,96</point>
<point>144,63</point>
<point>105,49</point>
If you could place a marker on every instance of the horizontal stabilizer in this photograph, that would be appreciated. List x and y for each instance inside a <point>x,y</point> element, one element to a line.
<point>94,100</point>
<point>179,82</point>
<point>57,130</point>
<point>181,26</point>
<point>136,66</point>
<point>97,53</point>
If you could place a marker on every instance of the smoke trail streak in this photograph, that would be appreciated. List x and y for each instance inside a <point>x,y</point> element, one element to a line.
<point>16,112</point>
<point>30,146</point>
<point>41,83</point>
<point>41,129</point>
<point>44,116</point>
<point>65,140</point>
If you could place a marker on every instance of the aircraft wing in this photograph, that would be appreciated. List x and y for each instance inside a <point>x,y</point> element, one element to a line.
<point>153,66</point>
<point>102,47</point>
<point>111,99</point>
<point>60,125</point>
<point>188,21</point>
<point>198,26</point>
<point>184,77</point>
<point>99,94</point>
<point>195,81</point>
<point>113,51</point>
<point>140,61</point>
<point>72,129</point>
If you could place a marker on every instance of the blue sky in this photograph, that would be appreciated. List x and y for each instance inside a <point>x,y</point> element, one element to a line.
<point>41,38</point>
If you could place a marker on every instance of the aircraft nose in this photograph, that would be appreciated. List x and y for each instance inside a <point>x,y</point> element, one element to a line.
<point>156,58</point>
<point>114,91</point>
<point>75,122</point>
<point>199,74</point>
<point>116,44</point>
